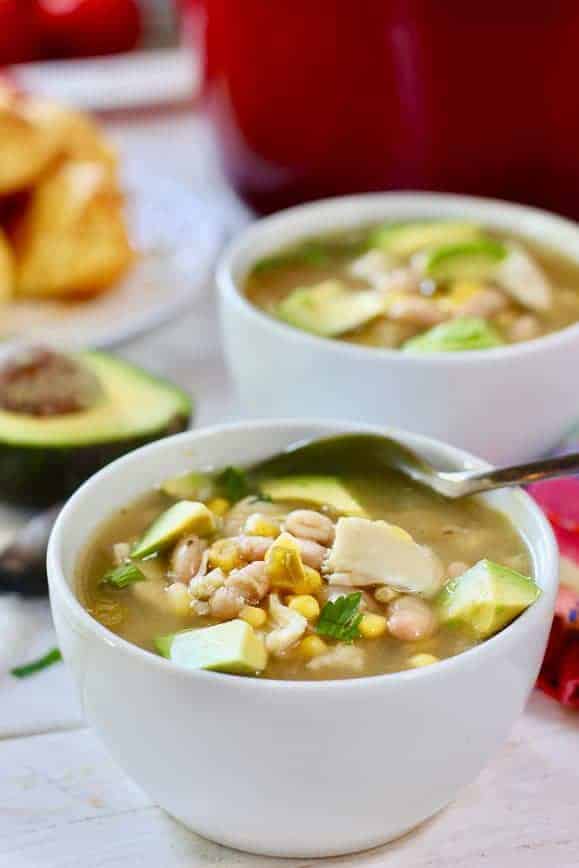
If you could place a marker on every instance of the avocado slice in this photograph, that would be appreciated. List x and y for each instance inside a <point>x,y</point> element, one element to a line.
<point>468,260</point>
<point>317,490</point>
<point>186,516</point>
<point>486,598</point>
<point>45,457</point>
<point>330,308</point>
<point>462,333</point>
<point>189,486</point>
<point>405,239</point>
<point>231,647</point>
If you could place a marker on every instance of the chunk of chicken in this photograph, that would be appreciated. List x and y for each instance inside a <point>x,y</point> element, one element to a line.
<point>369,552</point>
<point>524,280</point>
<point>289,629</point>
<point>373,267</point>
<point>342,656</point>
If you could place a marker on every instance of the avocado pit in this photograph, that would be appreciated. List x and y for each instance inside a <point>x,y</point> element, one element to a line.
<point>40,382</point>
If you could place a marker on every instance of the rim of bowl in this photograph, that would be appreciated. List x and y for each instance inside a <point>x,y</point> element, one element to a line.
<point>468,657</point>
<point>485,207</point>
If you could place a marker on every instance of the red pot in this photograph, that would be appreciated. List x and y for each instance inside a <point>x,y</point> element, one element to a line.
<point>310,99</point>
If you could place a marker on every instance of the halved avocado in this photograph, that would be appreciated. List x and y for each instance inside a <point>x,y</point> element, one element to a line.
<point>52,437</point>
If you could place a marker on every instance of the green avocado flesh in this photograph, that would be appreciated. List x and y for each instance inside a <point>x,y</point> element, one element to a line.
<point>486,598</point>
<point>405,239</point>
<point>330,308</point>
<point>45,458</point>
<point>181,518</point>
<point>469,260</point>
<point>317,490</point>
<point>231,647</point>
<point>463,333</point>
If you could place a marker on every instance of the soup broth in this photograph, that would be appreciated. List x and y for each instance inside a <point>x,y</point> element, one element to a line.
<point>449,536</point>
<point>409,287</point>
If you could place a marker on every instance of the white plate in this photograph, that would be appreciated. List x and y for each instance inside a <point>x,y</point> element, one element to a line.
<point>177,233</point>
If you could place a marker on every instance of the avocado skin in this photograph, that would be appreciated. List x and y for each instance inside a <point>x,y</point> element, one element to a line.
<point>40,476</point>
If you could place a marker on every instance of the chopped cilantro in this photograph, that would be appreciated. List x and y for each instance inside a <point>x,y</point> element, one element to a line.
<point>233,484</point>
<point>340,619</point>
<point>42,663</point>
<point>121,577</point>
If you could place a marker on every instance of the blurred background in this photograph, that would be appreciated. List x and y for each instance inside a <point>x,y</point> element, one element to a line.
<point>309,99</point>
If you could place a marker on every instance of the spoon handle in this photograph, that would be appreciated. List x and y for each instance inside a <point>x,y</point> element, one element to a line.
<point>521,474</point>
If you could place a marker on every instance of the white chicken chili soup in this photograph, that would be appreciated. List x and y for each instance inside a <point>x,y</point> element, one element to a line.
<point>304,575</point>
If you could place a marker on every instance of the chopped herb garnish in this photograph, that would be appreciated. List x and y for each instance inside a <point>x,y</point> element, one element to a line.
<point>121,577</point>
<point>49,659</point>
<point>233,484</point>
<point>339,619</point>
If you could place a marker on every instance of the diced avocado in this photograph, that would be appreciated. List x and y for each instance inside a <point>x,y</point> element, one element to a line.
<point>468,260</point>
<point>190,486</point>
<point>231,647</point>
<point>405,239</point>
<point>463,333</point>
<point>330,308</point>
<point>486,598</point>
<point>186,516</point>
<point>317,490</point>
<point>115,407</point>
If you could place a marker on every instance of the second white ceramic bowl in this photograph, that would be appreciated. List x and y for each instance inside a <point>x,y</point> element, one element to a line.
<point>507,404</point>
<point>291,768</point>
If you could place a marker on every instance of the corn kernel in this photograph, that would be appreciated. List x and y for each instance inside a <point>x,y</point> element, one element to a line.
<point>372,626</point>
<point>225,554</point>
<point>306,605</point>
<point>254,616</point>
<point>312,646</point>
<point>385,594</point>
<point>219,505</point>
<point>311,583</point>
<point>260,525</point>
<point>419,660</point>
<point>179,598</point>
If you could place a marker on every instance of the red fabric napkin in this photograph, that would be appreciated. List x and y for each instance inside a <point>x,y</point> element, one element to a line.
<point>559,675</point>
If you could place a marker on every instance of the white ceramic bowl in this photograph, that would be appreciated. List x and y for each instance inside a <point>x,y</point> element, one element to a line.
<point>507,404</point>
<point>291,768</point>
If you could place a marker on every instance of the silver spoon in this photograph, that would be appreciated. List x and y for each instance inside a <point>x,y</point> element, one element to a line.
<point>375,451</point>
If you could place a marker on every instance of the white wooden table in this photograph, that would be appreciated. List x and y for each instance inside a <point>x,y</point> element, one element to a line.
<point>64,804</point>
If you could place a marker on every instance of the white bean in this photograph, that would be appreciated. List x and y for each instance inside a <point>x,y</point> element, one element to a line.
<point>312,553</point>
<point>525,328</point>
<point>410,618</point>
<point>307,524</point>
<point>416,310</point>
<point>253,548</point>
<point>187,557</point>
<point>484,303</point>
